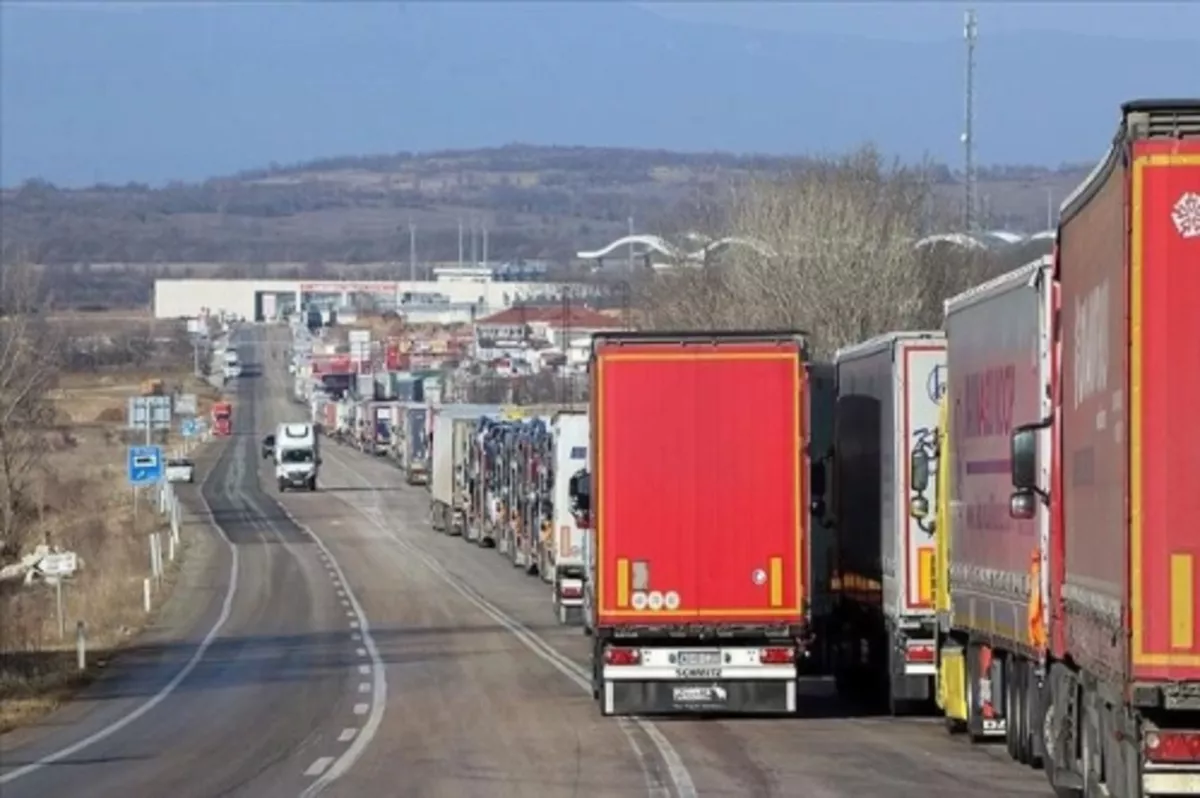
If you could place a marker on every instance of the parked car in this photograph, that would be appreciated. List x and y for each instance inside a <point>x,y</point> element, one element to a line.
<point>181,469</point>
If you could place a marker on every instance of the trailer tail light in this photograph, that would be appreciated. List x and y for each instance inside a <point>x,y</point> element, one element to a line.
<point>920,654</point>
<point>570,591</point>
<point>1173,747</point>
<point>777,656</point>
<point>622,656</point>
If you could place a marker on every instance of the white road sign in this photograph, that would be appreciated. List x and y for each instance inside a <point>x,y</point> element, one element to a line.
<point>59,564</point>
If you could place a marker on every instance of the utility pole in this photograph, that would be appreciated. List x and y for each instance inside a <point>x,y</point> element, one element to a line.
<point>485,244</point>
<point>412,251</point>
<point>460,242</point>
<point>474,241</point>
<point>970,32</point>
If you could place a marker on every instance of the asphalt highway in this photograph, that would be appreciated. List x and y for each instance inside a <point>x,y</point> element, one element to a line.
<point>489,696</point>
<point>362,654</point>
<point>247,677</point>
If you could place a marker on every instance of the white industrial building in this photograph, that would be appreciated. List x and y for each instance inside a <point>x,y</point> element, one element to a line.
<point>460,293</point>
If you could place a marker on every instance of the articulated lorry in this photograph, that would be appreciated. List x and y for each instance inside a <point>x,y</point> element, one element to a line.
<point>1122,688</point>
<point>450,478</point>
<point>222,419</point>
<point>698,502</point>
<point>562,546</point>
<point>1072,613</point>
<point>883,625</point>
<point>990,578</point>
<point>413,443</point>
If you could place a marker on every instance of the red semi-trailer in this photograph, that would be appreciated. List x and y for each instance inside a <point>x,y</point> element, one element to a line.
<point>699,511</point>
<point>1119,711</point>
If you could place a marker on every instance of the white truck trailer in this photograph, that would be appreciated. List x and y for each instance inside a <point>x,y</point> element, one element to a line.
<point>883,625</point>
<point>563,563</point>
<point>453,428</point>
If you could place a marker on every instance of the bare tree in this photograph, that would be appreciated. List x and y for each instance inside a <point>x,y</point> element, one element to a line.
<point>28,360</point>
<point>829,249</point>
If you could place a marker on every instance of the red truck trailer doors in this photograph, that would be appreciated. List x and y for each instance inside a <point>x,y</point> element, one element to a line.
<point>700,518</point>
<point>699,483</point>
<point>1164,393</point>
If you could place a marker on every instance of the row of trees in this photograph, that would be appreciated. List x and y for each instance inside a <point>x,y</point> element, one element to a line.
<point>839,262</point>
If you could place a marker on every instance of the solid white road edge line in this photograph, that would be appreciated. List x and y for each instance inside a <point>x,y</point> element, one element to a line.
<point>318,767</point>
<point>379,679</point>
<point>677,771</point>
<point>169,687</point>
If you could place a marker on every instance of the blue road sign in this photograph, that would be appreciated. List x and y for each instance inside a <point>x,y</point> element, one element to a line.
<point>189,428</point>
<point>146,465</point>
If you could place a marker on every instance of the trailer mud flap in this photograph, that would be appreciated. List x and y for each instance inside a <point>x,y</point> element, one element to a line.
<point>765,697</point>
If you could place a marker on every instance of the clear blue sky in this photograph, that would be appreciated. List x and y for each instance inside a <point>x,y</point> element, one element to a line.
<point>105,91</point>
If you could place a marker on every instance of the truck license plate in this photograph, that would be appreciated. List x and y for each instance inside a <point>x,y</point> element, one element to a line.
<point>699,658</point>
<point>700,694</point>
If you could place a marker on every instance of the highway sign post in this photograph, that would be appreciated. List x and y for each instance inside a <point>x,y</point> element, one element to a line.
<point>149,413</point>
<point>145,465</point>
<point>55,569</point>
<point>186,404</point>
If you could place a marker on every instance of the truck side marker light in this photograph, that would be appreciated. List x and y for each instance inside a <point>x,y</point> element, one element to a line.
<point>655,600</point>
<point>639,600</point>
<point>671,600</point>
<point>1172,747</point>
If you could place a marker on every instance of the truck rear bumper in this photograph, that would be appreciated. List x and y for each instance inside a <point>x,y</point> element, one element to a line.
<point>1170,783</point>
<point>759,697</point>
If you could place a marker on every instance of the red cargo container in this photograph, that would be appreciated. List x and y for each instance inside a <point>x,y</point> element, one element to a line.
<point>1124,664</point>
<point>700,518</point>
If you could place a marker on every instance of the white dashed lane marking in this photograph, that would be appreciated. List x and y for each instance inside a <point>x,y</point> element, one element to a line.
<point>362,709</point>
<point>364,687</point>
<point>319,767</point>
<point>365,670</point>
<point>347,735</point>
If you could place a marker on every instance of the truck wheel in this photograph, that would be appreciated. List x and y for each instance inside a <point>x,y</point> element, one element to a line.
<point>1012,726</point>
<point>1023,676</point>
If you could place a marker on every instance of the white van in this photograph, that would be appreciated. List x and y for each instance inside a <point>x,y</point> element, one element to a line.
<point>297,456</point>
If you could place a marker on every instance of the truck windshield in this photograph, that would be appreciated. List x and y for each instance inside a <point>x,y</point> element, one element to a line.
<point>296,456</point>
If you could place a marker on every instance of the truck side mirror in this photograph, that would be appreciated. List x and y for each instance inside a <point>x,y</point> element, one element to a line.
<point>1023,450</point>
<point>919,462</point>
<point>816,479</point>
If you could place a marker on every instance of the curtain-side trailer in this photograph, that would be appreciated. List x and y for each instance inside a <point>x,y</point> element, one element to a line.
<point>1119,708</point>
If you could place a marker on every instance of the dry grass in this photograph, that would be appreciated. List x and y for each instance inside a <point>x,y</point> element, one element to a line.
<point>84,505</point>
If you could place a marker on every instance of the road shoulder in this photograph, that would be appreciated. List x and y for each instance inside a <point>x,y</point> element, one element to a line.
<point>192,593</point>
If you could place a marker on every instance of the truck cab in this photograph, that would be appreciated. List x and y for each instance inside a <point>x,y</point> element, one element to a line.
<point>297,457</point>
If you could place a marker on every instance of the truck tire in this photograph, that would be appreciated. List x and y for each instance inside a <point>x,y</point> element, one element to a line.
<point>1012,725</point>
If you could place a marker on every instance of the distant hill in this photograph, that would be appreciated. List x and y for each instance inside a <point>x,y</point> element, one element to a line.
<point>537,202</point>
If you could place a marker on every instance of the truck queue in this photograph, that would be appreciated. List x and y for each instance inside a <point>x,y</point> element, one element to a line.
<point>994,520</point>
